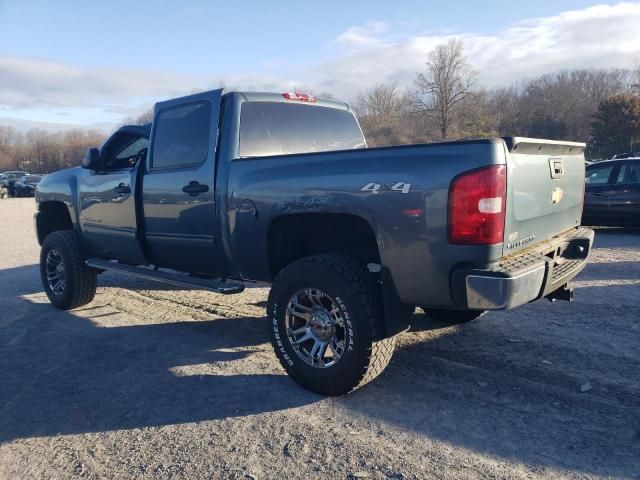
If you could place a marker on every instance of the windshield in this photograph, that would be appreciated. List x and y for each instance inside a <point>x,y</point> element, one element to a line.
<point>32,179</point>
<point>14,175</point>
<point>276,128</point>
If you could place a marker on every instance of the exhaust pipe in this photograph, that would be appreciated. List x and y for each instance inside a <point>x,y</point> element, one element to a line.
<point>564,294</point>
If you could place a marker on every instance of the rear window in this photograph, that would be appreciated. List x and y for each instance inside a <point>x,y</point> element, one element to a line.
<point>276,128</point>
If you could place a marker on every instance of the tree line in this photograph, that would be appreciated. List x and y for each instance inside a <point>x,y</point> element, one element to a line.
<point>598,106</point>
<point>39,151</point>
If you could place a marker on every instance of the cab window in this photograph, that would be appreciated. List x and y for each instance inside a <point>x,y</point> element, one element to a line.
<point>124,151</point>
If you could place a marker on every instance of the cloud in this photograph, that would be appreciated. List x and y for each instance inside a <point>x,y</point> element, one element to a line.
<point>30,83</point>
<point>363,55</point>
<point>363,37</point>
<point>601,36</point>
<point>26,83</point>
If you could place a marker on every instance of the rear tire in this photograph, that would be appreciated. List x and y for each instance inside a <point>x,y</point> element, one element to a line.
<point>338,303</point>
<point>452,317</point>
<point>67,281</point>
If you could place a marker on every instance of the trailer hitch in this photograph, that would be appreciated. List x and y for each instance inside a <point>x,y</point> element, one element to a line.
<point>563,293</point>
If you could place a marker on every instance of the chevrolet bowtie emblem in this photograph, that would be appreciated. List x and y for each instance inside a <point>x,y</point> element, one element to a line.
<point>556,195</point>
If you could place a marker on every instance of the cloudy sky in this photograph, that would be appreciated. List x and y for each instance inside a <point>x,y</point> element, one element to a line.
<point>80,63</point>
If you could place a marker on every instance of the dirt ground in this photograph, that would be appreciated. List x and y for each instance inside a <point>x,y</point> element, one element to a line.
<point>151,381</point>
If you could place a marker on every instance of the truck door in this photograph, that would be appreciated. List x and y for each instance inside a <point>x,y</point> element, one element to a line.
<point>178,198</point>
<point>597,191</point>
<point>624,195</point>
<point>106,200</point>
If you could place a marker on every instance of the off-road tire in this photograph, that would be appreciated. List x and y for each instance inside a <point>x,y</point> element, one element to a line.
<point>348,280</point>
<point>80,281</point>
<point>452,317</point>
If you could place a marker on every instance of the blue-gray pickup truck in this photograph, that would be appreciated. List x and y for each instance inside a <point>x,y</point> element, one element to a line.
<point>225,188</point>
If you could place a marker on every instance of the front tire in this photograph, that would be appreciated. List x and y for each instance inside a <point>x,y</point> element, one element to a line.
<point>326,324</point>
<point>67,281</point>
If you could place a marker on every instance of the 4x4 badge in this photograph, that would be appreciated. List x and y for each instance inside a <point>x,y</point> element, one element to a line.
<point>401,187</point>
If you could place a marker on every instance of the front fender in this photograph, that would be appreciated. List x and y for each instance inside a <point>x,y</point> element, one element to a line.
<point>60,187</point>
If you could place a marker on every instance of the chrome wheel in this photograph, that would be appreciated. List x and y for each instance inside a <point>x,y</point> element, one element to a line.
<point>316,327</point>
<point>55,272</point>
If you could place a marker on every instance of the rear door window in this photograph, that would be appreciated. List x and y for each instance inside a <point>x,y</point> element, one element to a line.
<point>629,174</point>
<point>277,128</point>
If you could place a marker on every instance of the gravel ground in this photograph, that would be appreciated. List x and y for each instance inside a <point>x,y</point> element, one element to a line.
<point>156,382</point>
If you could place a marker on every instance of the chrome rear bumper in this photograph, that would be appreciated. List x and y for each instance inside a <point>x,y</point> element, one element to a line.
<point>538,272</point>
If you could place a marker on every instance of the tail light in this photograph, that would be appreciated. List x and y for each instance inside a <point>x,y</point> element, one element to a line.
<point>300,97</point>
<point>477,201</point>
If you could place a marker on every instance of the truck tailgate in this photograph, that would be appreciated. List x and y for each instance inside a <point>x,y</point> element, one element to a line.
<point>545,190</point>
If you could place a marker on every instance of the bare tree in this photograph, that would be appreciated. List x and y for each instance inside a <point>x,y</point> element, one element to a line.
<point>379,105</point>
<point>447,82</point>
<point>7,142</point>
<point>40,151</point>
<point>634,83</point>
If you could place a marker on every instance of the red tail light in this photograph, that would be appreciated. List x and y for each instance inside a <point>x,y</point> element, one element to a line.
<point>477,202</point>
<point>300,97</point>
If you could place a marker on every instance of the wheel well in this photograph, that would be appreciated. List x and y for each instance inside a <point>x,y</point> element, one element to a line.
<point>295,236</point>
<point>52,216</point>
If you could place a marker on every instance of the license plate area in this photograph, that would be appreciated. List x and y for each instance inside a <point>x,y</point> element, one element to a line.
<point>563,260</point>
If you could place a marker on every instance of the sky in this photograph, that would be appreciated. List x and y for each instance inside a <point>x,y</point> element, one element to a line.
<point>94,63</point>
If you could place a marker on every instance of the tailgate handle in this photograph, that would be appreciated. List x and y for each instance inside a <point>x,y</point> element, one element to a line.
<point>556,165</point>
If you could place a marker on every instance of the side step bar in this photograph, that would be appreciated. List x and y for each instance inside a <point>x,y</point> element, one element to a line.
<point>176,279</point>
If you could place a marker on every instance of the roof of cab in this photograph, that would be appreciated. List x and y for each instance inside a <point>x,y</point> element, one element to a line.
<point>142,130</point>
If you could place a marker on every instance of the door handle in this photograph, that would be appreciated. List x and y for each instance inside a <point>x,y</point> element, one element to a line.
<point>598,194</point>
<point>122,189</point>
<point>194,188</point>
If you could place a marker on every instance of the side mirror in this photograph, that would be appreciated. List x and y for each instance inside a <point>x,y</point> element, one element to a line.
<point>91,159</point>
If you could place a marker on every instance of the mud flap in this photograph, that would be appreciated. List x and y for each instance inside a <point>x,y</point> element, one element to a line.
<point>397,315</point>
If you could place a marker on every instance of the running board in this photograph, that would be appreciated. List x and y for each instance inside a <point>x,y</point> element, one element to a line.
<point>176,279</point>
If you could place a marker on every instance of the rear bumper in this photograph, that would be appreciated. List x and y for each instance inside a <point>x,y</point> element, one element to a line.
<point>527,276</point>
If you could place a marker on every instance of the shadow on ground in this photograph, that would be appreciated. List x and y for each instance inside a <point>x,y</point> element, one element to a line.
<point>468,386</point>
<point>62,374</point>
<point>612,237</point>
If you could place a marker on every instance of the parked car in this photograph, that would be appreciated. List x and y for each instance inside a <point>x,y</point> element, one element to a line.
<point>280,188</point>
<point>612,193</point>
<point>26,185</point>
<point>8,181</point>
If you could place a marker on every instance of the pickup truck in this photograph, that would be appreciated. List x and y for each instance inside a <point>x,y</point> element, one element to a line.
<point>225,188</point>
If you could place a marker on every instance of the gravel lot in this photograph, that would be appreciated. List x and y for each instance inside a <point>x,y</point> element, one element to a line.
<point>157,382</point>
